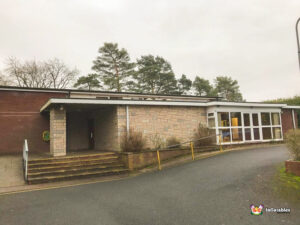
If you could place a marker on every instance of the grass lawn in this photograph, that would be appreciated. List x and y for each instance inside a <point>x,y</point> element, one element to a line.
<point>287,185</point>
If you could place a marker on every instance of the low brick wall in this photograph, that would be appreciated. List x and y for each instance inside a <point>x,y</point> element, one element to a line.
<point>138,160</point>
<point>292,167</point>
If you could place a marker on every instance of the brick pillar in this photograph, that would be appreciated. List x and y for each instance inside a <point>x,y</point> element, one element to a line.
<point>58,132</point>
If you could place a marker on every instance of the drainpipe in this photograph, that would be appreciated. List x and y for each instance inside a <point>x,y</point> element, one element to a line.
<point>293,115</point>
<point>127,119</point>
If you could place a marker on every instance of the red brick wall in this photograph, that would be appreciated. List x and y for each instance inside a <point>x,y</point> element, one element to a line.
<point>293,167</point>
<point>287,120</point>
<point>142,159</point>
<point>20,119</point>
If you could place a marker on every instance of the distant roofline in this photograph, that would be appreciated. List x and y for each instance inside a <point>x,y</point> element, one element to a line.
<point>12,88</point>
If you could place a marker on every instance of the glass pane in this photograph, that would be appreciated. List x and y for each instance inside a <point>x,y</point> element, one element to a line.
<point>256,133</point>
<point>275,119</point>
<point>266,131</point>
<point>236,119</point>
<point>265,119</point>
<point>246,119</point>
<point>210,114</point>
<point>248,134</point>
<point>237,134</point>
<point>276,133</point>
<point>255,119</point>
<point>211,122</point>
<point>225,135</point>
<point>223,119</point>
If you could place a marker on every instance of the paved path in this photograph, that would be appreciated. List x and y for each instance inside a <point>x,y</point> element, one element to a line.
<point>216,190</point>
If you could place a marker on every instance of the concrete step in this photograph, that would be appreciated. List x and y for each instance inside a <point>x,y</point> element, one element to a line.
<point>79,161</point>
<point>74,171</point>
<point>49,178</point>
<point>71,158</point>
<point>71,166</point>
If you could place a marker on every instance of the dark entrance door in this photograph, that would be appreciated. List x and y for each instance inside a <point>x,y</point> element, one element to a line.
<point>91,133</point>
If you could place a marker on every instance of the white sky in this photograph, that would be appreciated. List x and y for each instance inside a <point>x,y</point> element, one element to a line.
<point>253,41</point>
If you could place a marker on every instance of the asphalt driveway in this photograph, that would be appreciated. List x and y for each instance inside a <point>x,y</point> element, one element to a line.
<point>216,190</point>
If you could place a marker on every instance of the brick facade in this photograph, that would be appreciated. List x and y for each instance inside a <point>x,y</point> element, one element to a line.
<point>287,120</point>
<point>162,121</point>
<point>20,119</point>
<point>58,132</point>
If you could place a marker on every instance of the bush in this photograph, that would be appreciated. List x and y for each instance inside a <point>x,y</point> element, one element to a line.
<point>171,141</point>
<point>157,141</point>
<point>133,142</point>
<point>202,132</point>
<point>292,140</point>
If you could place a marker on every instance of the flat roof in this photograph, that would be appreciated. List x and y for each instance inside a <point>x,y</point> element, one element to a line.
<point>75,91</point>
<point>53,101</point>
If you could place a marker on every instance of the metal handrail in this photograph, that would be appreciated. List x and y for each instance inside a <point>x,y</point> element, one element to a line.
<point>182,143</point>
<point>25,158</point>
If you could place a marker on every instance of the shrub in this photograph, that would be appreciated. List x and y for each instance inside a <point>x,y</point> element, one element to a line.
<point>157,141</point>
<point>174,142</point>
<point>133,142</point>
<point>202,132</point>
<point>292,140</point>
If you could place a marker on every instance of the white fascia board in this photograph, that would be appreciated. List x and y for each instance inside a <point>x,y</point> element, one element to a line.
<point>157,103</point>
<point>118,102</point>
<point>245,104</point>
<point>292,107</point>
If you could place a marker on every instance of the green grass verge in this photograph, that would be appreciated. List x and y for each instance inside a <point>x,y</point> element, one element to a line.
<point>287,185</point>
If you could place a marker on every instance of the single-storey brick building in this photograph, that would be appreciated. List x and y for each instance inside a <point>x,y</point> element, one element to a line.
<point>85,120</point>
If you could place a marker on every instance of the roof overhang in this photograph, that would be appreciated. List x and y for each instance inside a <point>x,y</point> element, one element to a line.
<point>72,101</point>
<point>62,101</point>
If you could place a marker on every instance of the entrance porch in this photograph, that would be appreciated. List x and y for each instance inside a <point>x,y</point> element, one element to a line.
<point>82,128</point>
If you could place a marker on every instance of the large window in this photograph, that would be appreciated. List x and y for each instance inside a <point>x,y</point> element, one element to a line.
<point>223,119</point>
<point>235,127</point>
<point>271,126</point>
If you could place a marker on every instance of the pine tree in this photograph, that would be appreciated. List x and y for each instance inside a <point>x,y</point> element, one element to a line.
<point>228,88</point>
<point>154,75</point>
<point>88,82</point>
<point>183,85</point>
<point>202,86</point>
<point>113,66</point>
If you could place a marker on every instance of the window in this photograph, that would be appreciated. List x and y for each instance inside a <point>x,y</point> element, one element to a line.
<point>275,119</point>
<point>265,119</point>
<point>256,134</point>
<point>255,119</point>
<point>266,131</point>
<point>248,135</point>
<point>237,134</point>
<point>223,119</point>
<point>276,133</point>
<point>210,114</point>
<point>225,134</point>
<point>246,119</point>
<point>236,119</point>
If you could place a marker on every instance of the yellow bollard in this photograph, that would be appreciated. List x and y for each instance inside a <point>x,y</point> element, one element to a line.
<point>220,143</point>
<point>192,150</point>
<point>158,160</point>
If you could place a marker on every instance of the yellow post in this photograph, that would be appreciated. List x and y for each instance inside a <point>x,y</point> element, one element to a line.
<point>220,143</point>
<point>192,150</point>
<point>158,160</point>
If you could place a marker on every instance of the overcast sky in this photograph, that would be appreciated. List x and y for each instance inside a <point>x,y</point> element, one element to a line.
<point>253,41</point>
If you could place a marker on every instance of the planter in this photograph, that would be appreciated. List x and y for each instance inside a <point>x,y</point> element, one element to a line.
<point>138,160</point>
<point>292,167</point>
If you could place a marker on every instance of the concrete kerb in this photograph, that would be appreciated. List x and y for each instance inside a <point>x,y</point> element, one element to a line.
<point>166,164</point>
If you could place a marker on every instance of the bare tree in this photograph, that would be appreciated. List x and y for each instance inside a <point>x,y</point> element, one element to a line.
<point>4,81</point>
<point>49,74</point>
